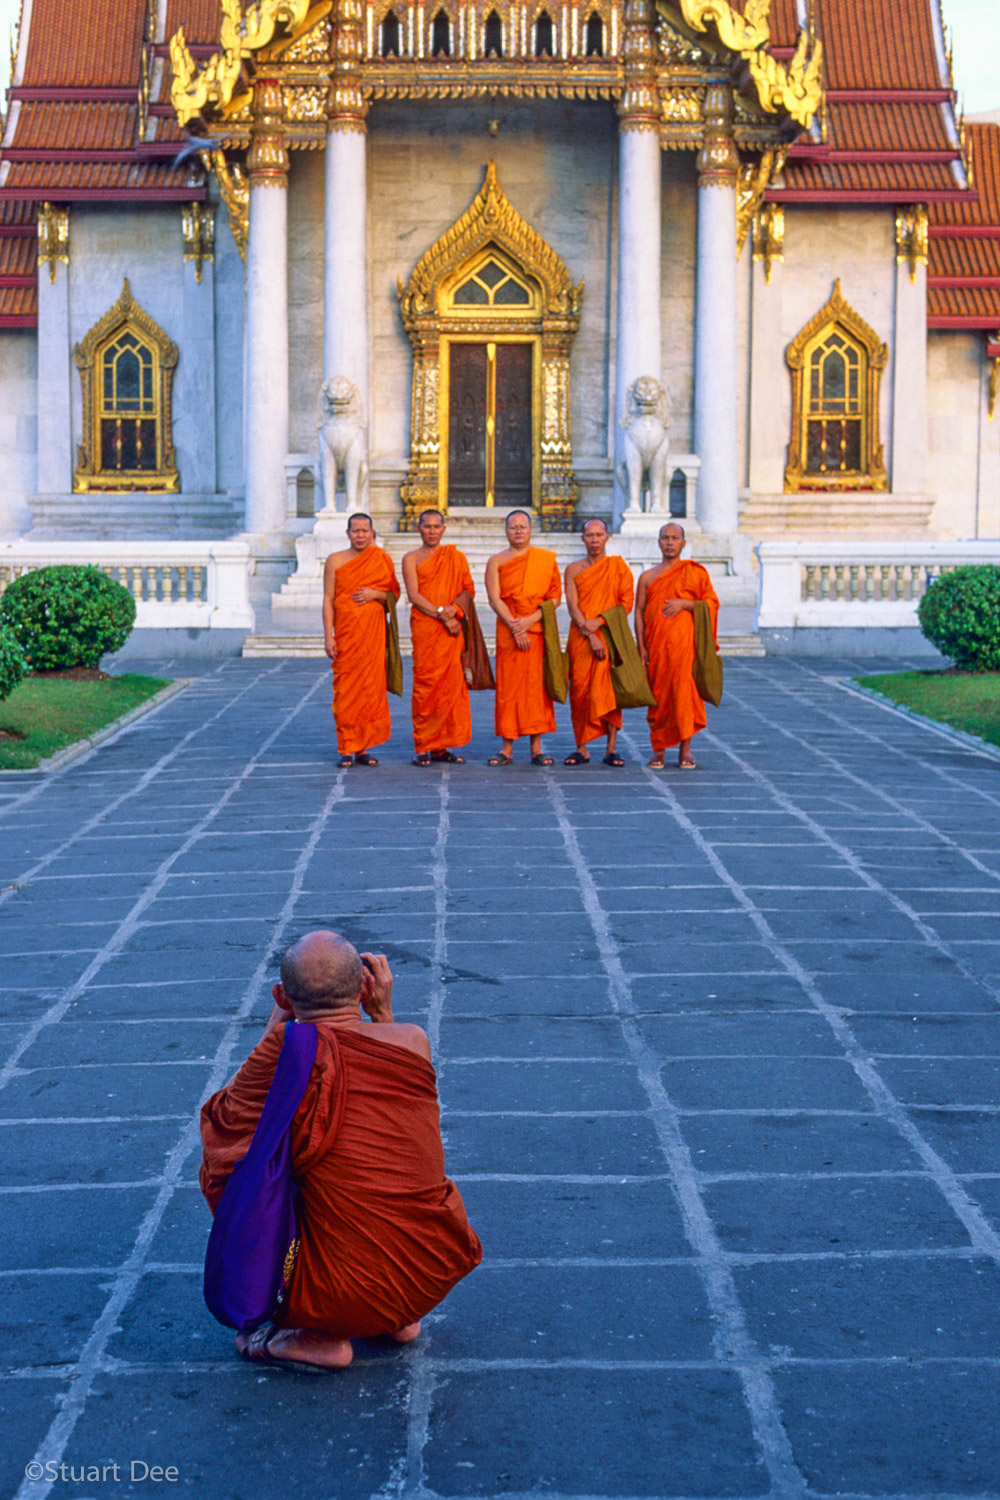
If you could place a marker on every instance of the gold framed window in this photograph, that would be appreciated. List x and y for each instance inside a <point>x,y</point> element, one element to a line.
<point>836,363</point>
<point>126,365</point>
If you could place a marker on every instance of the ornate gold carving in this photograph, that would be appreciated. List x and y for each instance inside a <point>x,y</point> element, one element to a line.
<point>639,105</point>
<point>994,383</point>
<point>683,106</point>
<point>348,105</point>
<point>755,179</point>
<point>242,33</point>
<point>104,422</point>
<point>267,159</point>
<point>491,228</point>
<point>53,237</point>
<point>795,90</point>
<point>837,316</point>
<point>198,229</point>
<point>769,236</point>
<point>305,103</point>
<point>718,162</point>
<point>235,190</point>
<point>911,238</point>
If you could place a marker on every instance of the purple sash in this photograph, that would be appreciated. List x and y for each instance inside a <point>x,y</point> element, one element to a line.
<point>254,1239</point>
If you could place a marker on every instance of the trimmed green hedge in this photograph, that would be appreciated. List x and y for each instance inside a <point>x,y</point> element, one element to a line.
<point>12,662</point>
<point>67,616</point>
<point>960,615</point>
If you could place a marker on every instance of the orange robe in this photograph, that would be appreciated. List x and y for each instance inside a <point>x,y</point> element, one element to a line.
<point>360,700</point>
<point>384,1236</point>
<point>441,716</point>
<point>522,704</point>
<point>601,586</point>
<point>679,711</point>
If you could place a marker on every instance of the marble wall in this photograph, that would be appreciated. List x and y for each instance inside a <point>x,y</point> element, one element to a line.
<point>18,427</point>
<point>963,457</point>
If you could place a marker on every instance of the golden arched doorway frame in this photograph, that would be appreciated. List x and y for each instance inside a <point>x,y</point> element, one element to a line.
<point>435,318</point>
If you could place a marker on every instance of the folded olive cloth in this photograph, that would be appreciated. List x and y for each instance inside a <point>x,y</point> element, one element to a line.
<point>706,668</point>
<point>629,682</point>
<point>393,655</point>
<point>555,666</point>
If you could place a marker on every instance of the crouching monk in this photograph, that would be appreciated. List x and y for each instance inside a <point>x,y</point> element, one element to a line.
<point>384,1236</point>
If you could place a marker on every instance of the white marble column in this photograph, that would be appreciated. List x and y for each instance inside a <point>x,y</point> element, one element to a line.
<point>716,340</point>
<point>55,430</point>
<point>908,458</point>
<point>267,316</point>
<point>769,402</point>
<point>345,250</point>
<point>638,349</point>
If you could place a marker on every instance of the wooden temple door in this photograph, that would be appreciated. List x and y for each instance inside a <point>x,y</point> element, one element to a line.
<point>490,446</point>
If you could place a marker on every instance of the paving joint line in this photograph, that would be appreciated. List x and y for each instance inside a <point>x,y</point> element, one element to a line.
<point>90,1362</point>
<point>733,1341</point>
<point>980,1231</point>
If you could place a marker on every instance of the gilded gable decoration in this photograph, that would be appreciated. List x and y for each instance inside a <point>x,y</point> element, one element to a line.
<point>912,238</point>
<point>836,363</point>
<point>126,365</point>
<point>491,278</point>
<point>53,237</point>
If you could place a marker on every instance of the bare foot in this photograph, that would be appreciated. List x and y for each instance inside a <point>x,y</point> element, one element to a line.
<point>301,1346</point>
<point>406,1335</point>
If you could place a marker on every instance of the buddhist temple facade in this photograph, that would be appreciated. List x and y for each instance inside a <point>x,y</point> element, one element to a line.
<point>735,265</point>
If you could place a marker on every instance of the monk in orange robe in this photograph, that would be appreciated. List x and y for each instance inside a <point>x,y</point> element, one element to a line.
<point>517,582</point>
<point>434,576</point>
<point>356,584</point>
<point>664,630</point>
<point>383,1232</point>
<point>593,584</point>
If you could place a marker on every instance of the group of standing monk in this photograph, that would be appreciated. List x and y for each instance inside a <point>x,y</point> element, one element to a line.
<point>523,587</point>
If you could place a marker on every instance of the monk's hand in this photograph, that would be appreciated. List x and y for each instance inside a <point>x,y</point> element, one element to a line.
<point>366,596</point>
<point>330,647</point>
<point>376,991</point>
<point>675,606</point>
<point>519,630</point>
<point>453,627</point>
<point>448,615</point>
<point>597,645</point>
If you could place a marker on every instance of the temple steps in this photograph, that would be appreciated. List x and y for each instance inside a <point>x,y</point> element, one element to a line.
<point>310,644</point>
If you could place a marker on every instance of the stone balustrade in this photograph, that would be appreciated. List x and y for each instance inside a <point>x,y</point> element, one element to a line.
<point>175,585</point>
<point>824,584</point>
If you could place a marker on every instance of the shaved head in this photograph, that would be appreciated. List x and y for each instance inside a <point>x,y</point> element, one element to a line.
<point>673,526</point>
<point>321,973</point>
<point>596,521</point>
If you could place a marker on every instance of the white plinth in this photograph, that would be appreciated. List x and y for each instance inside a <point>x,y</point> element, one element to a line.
<point>715,359</point>
<point>267,358</point>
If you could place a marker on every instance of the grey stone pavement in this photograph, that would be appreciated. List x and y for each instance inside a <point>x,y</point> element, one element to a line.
<point>718,1060</point>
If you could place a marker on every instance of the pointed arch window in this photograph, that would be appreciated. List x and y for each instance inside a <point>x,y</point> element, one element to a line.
<point>390,34</point>
<point>544,37</point>
<point>126,365</point>
<point>441,35</point>
<point>836,362</point>
<point>493,40</point>
<point>595,35</point>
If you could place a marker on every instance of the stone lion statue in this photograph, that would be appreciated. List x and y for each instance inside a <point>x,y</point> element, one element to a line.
<point>647,417</point>
<point>342,444</point>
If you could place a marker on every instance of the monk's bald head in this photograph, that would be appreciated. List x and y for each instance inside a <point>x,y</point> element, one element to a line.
<point>320,973</point>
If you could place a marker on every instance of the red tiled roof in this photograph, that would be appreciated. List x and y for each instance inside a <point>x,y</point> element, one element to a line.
<point>73,123</point>
<point>964,246</point>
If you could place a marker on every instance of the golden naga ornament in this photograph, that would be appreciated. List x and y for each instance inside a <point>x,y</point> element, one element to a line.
<point>796,89</point>
<point>242,34</point>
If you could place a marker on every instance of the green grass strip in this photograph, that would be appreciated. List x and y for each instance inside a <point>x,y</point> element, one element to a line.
<point>53,713</point>
<point>969,701</point>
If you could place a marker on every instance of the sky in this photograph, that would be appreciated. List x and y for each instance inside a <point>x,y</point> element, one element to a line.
<point>975,24</point>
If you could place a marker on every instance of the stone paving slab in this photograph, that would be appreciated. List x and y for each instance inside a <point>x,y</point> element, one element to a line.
<point>718,1057</point>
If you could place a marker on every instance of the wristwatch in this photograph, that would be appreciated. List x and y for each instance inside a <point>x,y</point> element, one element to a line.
<point>440,609</point>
